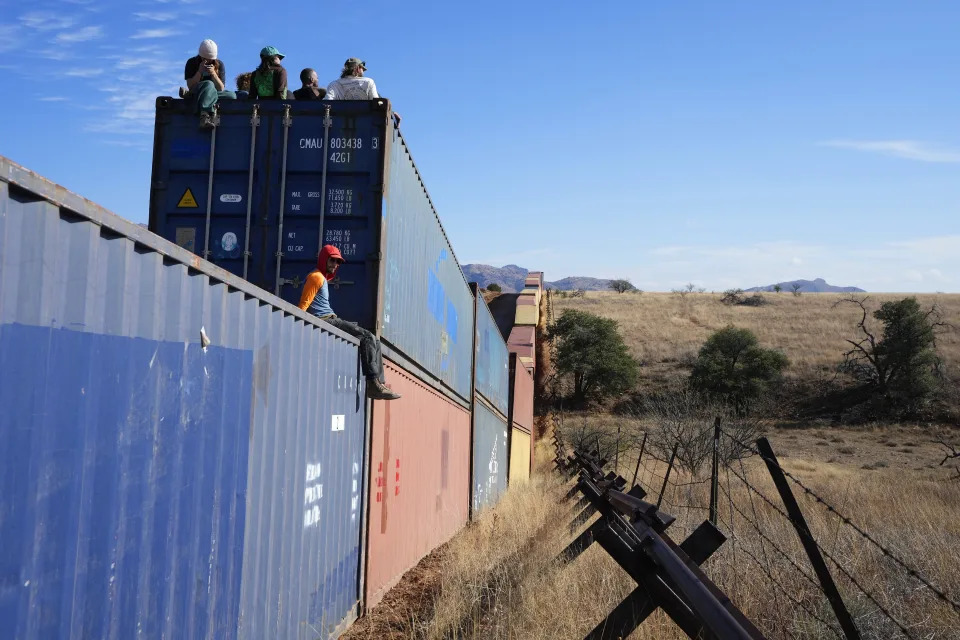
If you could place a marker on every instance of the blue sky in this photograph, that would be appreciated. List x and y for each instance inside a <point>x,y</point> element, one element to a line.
<point>725,144</point>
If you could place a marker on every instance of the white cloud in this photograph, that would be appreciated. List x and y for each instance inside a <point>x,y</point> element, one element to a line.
<point>923,264</point>
<point>56,54</point>
<point>91,72</point>
<point>47,21</point>
<point>80,35</point>
<point>9,37</point>
<point>144,34</point>
<point>54,99</point>
<point>907,149</point>
<point>919,264</point>
<point>156,16</point>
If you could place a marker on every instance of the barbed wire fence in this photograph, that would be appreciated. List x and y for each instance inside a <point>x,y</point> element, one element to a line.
<point>879,589</point>
<point>798,559</point>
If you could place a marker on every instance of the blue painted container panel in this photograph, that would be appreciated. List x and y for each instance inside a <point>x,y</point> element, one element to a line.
<point>427,305</point>
<point>493,360</point>
<point>490,462</point>
<point>401,276</point>
<point>150,486</point>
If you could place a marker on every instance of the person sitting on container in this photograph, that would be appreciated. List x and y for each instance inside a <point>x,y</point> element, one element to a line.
<point>351,85</point>
<point>204,74</point>
<point>311,86</point>
<point>243,85</point>
<point>269,81</point>
<point>315,299</point>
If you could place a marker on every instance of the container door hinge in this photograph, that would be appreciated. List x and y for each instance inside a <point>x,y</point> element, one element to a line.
<point>294,282</point>
<point>337,282</point>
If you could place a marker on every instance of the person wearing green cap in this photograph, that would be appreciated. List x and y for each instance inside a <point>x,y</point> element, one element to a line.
<point>351,85</point>
<point>269,81</point>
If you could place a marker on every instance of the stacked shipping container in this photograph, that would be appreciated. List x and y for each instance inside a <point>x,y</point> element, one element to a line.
<point>205,463</point>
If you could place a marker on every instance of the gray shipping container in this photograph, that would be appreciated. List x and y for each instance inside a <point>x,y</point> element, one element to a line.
<point>490,462</point>
<point>492,368</point>
<point>181,453</point>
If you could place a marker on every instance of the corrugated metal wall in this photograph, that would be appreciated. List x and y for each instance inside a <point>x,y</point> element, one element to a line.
<point>300,577</point>
<point>149,484</point>
<point>427,305</point>
<point>420,478</point>
<point>489,457</point>
<point>492,367</point>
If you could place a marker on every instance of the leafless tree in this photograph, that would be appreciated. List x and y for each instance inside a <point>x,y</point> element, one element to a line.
<point>685,419</point>
<point>951,455</point>
<point>686,290</point>
<point>795,287</point>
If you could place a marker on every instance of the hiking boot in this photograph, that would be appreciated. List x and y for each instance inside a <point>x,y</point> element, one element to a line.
<point>376,390</point>
<point>206,121</point>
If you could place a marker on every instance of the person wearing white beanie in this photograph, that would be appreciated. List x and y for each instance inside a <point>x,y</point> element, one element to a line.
<point>204,74</point>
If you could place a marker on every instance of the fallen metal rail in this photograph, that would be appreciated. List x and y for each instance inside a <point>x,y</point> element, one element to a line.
<point>633,532</point>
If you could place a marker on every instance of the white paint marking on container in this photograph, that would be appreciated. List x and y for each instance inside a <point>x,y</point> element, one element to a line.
<point>231,197</point>
<point>338,423</point>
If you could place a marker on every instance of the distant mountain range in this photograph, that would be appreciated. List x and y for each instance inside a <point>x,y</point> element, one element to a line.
<point>808,286</point>
<point>511,277</point>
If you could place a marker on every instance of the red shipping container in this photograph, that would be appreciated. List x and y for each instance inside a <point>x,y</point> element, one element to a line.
<point>419,479</point>
<point>522,336</point>
<point>521,395</point>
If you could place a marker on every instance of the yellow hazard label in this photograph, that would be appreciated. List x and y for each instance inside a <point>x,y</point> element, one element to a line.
<point>187,201</point>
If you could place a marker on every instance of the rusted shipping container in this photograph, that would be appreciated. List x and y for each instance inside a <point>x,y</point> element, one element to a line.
<point>420,478</point>
<point>490,462</point>
<point>519,455</point>
<point>522,336</point>
<point>521,395</point>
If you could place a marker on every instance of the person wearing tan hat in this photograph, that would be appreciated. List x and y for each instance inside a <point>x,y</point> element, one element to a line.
<point>204,74</point>
<point>351,85</point>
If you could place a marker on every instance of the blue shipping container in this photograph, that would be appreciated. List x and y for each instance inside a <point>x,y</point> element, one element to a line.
<point>490,462</point>
<point>181,454</point>
<point>492,375</point>
<point>268,175</point>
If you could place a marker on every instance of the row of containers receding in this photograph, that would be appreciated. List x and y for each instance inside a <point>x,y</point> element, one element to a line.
<point>187,455</point>
<point>523,336</point>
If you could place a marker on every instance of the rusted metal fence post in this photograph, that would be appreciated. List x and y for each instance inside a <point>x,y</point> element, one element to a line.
<point>666,476</point>
<point>643,444</point>
<point>806,539</point>
<point>715,472</point>
<point>616,454</point>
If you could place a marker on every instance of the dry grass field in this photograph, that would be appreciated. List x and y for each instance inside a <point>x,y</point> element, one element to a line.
<point>665,331</point>
<point>500,577</point>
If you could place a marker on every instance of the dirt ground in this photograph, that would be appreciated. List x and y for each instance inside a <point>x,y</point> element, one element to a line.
<point>906,447</point>
<point>407,606</point>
